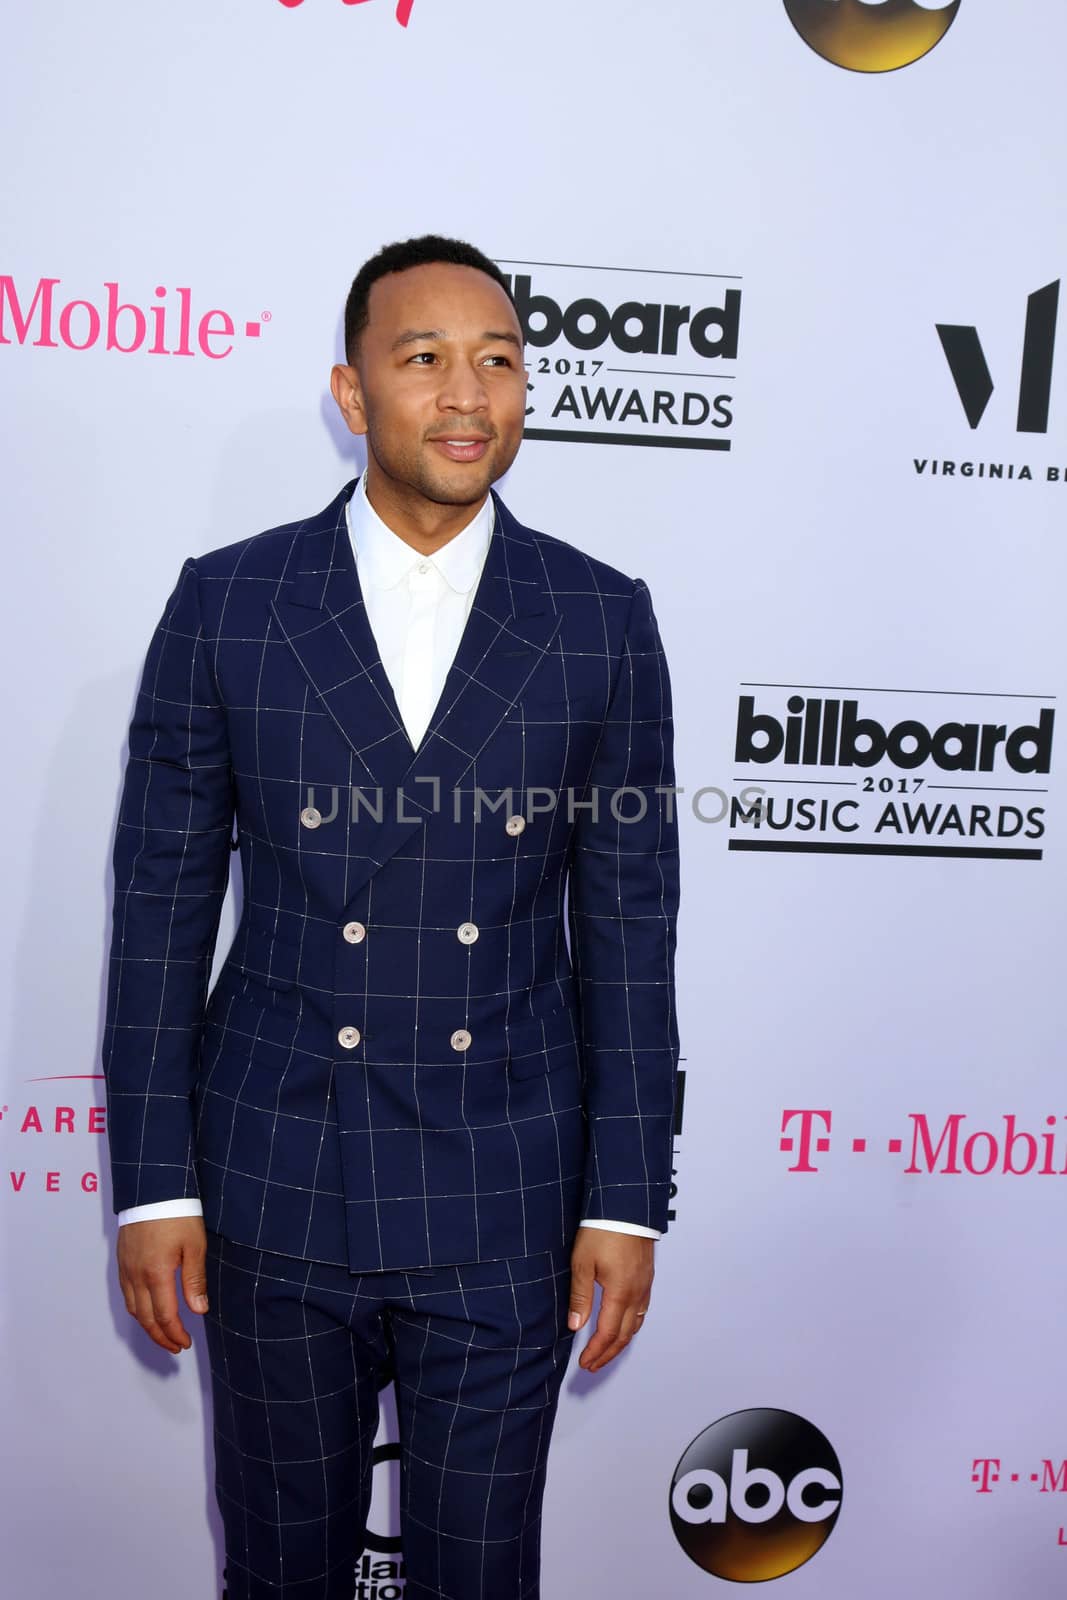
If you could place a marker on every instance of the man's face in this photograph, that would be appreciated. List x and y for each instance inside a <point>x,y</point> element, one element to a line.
<point>438,386</point>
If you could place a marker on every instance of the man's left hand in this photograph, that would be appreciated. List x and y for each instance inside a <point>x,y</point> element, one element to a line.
<point>622,1264</point>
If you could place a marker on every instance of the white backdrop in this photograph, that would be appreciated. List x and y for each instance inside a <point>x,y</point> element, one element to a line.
<point>252,155</point>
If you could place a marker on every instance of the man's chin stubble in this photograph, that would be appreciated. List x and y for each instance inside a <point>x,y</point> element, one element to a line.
<point>445,493</point>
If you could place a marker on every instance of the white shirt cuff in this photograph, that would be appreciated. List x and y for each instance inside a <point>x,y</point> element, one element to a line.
<point>193,1208</point>
<point>160,1209</point>
<point>623,1227</point>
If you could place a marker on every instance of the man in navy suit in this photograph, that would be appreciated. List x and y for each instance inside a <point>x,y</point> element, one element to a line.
<point>413,1123</point>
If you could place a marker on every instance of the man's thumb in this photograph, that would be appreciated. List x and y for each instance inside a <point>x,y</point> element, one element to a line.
<point>194,1286</point>
<point>581,1301</point>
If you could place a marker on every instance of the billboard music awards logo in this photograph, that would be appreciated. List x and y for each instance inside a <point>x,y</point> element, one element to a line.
<point>168,322</point>
<point>968,369</point>
<point>868,771</point>
<point>872,35</point>
<point>621,356</point>
<point>756,1495</point>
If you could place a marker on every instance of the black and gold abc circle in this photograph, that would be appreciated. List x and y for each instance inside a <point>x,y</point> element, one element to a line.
<point>870,35</point>
<point>756,1495</point>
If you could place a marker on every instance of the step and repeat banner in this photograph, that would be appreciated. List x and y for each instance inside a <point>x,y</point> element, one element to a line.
<point>790,273</point>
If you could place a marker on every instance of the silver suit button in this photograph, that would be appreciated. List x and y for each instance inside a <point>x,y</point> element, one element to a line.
<point>354,932</point>
<point>461,1039</point>
<point>515,824</point>
<point>311,816</point>
<point>467,933</point>
<point>348,1038</point>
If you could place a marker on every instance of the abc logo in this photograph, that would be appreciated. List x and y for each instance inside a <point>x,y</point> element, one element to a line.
<point>872,35</point>
<point>755,1495</point>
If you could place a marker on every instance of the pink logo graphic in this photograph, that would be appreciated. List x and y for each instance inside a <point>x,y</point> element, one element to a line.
<point>946,1147</point>
<point>170,327</point>
<point>46,1122</point>
<point>404,8</point>
<point>989,1471</point>
<point>986,1472</point>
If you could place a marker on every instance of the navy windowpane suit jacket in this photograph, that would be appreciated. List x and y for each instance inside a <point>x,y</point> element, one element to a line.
<point>264,707</point>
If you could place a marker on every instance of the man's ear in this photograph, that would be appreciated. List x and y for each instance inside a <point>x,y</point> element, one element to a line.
<point>348,392</point>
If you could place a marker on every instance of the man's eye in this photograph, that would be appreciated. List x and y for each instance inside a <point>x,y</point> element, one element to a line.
<point>499,361</point>
<point>424,356</point>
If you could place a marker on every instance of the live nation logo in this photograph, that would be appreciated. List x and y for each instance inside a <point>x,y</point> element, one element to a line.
<point>950,1146</point>
<point>1026,408</point>
<point>622,356</point>
<point>162,322</point>
<point>991,1475</point>
<point>927,773</point>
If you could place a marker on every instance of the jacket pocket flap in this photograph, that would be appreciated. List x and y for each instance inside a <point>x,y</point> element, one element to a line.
<point>537,1045</point>
<point>260,956</point>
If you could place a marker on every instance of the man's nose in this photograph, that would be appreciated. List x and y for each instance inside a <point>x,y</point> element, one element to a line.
<point>463,390</point>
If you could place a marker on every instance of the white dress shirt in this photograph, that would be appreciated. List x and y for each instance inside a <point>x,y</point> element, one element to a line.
<point>417,607</point>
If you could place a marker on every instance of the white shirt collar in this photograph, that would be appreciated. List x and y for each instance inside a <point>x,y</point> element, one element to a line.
<point>383,558</point>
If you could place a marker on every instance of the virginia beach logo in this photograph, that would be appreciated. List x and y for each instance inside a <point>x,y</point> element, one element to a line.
<point>168,323</point>
<point>756,1495</point>
<point>870,35</point>
<point>871,771</point>
<point>968,369</point>
<point>621,356</point>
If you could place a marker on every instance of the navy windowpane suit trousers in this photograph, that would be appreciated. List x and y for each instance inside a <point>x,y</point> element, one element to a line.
<point>478,1354</point>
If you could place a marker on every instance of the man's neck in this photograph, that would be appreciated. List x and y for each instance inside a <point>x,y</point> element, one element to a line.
<point>421,523</point>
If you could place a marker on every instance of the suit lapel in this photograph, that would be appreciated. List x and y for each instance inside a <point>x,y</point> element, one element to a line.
<point>511,625</point>
<point>323,616</point>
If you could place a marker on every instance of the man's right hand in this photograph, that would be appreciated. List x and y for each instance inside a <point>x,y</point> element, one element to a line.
<point>149,1255</point>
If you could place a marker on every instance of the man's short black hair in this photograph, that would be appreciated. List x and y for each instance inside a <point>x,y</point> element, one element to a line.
<point>420,252</point>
